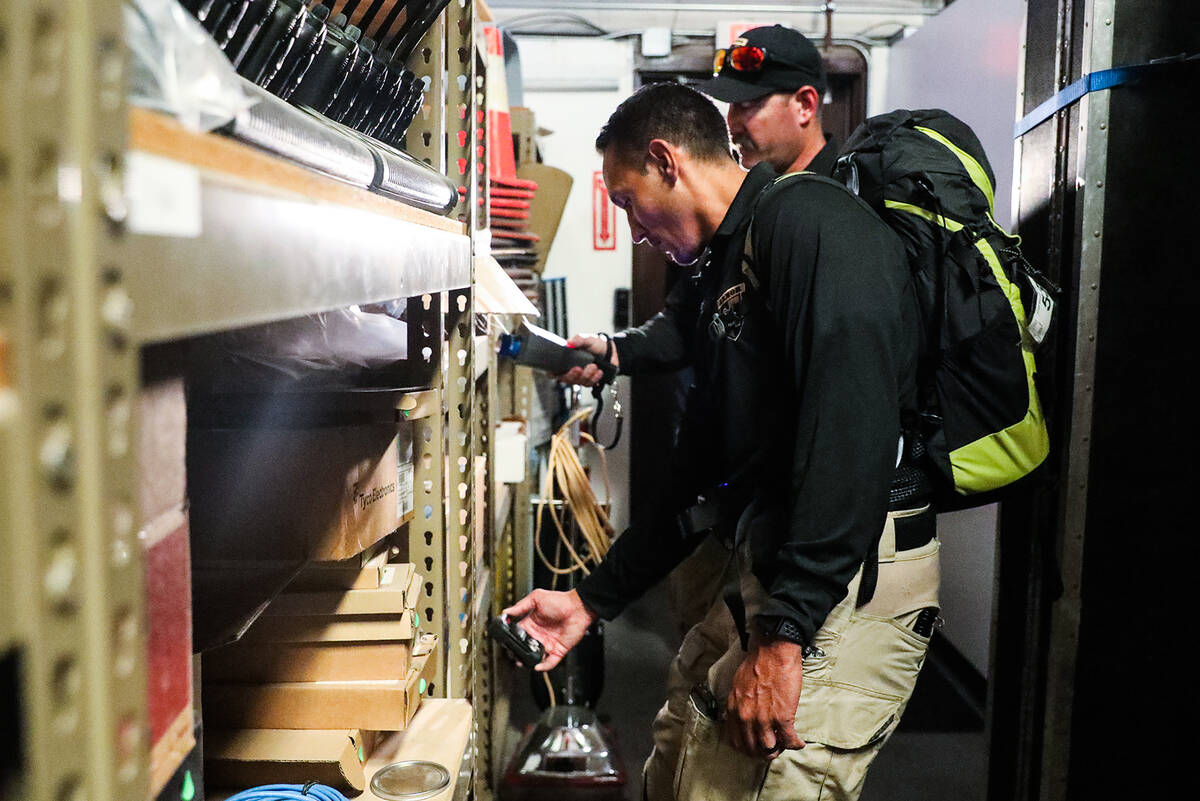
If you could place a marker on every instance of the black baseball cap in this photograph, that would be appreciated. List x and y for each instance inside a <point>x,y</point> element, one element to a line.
<point>792,61</point>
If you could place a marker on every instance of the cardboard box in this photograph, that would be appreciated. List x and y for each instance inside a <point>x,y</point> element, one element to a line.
<point>332,628</point>
<point>546,211</point>
<point>412,595</point>
<point>327,635</point>
<point>316,493</point>
<point>260,663</point>
<point>394,599</point>
<point>253,757</point>
<point>161,447</point>
<point>168,644</point>
<point>349,575</point>
<point>373,705</point>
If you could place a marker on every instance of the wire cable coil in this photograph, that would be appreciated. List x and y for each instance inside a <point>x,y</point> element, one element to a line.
<point>289,792</point>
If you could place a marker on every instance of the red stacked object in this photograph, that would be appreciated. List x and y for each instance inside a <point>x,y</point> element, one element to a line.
<point>510,197</point>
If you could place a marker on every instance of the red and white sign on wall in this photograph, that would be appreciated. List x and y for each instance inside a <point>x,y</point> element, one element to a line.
<point>729,31</point>
<point>604,216</point>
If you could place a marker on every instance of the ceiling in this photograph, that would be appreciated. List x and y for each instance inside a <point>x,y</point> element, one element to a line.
<point>839,5</point>
<point>868,21</point>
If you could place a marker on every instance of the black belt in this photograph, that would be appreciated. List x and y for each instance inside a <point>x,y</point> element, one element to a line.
<point>915,530</point>
<point>715,513</point>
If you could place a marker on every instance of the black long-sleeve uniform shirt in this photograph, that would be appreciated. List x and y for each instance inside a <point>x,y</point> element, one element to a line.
<point>798,396</point>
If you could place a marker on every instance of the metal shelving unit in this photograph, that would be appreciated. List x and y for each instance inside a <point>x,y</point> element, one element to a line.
<point>84,285</point>
<point>329,245</point>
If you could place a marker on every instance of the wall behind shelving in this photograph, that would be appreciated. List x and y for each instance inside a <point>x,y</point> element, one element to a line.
<point>573,84</point>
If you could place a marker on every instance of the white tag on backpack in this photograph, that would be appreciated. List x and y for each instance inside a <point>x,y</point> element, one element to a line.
<point>1043,312</point>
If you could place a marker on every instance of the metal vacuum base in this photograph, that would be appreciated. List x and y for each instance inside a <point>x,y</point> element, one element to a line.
<point>566,757</point>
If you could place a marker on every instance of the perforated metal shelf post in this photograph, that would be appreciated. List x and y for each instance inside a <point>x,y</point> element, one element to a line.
<point>64,309</point>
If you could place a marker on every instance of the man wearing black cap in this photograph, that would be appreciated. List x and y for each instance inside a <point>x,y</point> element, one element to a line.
<point>773,79</point>
<point>800,323</point>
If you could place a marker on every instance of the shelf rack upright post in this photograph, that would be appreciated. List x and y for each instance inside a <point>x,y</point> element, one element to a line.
<point>78,292</point>
<point>69,548</point>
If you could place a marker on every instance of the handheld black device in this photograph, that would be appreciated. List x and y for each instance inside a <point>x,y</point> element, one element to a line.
<point>516,640</point>
<point>537,347</point>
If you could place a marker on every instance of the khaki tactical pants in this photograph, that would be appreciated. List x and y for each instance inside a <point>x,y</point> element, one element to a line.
<point>857,680</point>
<point>697,583</point>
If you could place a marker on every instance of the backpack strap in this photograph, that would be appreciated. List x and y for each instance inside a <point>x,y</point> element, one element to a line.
<point>748,260</point>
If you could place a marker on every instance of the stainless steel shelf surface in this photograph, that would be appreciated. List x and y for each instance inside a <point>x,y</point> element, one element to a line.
<point>260,256</point>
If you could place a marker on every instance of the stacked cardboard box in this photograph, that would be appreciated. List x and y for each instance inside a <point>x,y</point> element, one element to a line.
<point>323,493</point>
<point>242,758</point>
<point>336,657</point>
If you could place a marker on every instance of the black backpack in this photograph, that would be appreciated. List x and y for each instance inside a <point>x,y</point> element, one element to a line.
<point>984,309</point>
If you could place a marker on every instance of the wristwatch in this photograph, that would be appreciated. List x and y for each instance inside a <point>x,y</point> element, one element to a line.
<point>781,627</point>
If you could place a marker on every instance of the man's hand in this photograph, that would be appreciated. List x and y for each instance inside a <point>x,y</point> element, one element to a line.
<point>558,620</point>
<point>591,375</point>
<point>761,709</point>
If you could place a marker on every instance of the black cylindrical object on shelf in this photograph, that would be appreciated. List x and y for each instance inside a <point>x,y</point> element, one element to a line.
<point>253,26</point>
<point>225,15</point>
<point>393,126</point>
<point>398,83</point>
<point>278,36</point>
<point>234,34</point>
<point>310,38</point>
<point>366,119</point>
<point>408,112</point>
<point>328,68</point>
<point>354,74</point>
<point>352,102</point>
<point>209,11</point>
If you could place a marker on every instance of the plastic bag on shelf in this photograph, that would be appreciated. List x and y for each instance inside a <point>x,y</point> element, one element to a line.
<point>177,68</point>
<point>326,342</point>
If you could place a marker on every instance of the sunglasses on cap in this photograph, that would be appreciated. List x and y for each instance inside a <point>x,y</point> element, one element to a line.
<point>744,58</point>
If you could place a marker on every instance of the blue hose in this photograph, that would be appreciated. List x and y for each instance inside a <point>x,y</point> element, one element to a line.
<point>289,792</point>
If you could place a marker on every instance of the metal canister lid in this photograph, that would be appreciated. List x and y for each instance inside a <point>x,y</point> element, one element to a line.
<point>410,781</point>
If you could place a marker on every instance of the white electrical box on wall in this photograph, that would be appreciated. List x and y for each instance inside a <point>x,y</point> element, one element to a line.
<point>512,449</point>
<point>656,42</point>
